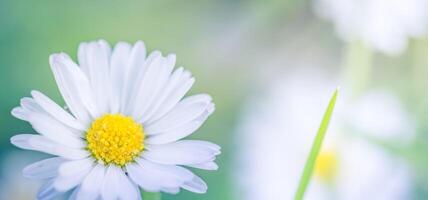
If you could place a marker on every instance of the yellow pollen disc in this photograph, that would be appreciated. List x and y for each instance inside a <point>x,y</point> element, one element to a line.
<point>326,167</point>
<point>115,139</point>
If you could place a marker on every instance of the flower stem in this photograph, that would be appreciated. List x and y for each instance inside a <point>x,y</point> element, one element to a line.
<point>316,146</point>
<point>419,69</point>
<point>358,63</point>
<point>150,195</point>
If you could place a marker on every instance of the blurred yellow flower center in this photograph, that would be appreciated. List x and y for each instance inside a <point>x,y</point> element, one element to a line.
<point>115,139</point>
<point>326,167</point>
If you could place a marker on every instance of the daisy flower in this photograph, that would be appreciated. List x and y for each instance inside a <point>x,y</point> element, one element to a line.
<point>277,131</point>
<point>123,130</point>
<point>384,25</point>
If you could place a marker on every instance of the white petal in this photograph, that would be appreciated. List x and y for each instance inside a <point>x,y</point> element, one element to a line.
<point>205,166</point>
<point>177,78</point>
<point>128,191</point>
<point>118,70</point>
<point>74,87</point>
<point>54,130</point>
<point>91,185</point>
<point>184,112</point>
<point>20,113</point>
<point>176,134</point>
<point>182,131</point>
<point>134,67</point>
<point>142,178</point>
<point>56,111</point>
<point>42,144</point>
<point>178,85</point>
<point>151,87</point>
<point>98,71</point>
<point>71,167</point>
<point>196,185</point>
<point>47,191</point>
<point>30,104</point>
<point>43,169</point>
<point>166,89</point>
<point>157,176</point>
<point>169,173</point>
<point>145,82</point>
<point>40,117</point>
<point>71,178</point>
<point>109,188</point>
<point>185,152</point>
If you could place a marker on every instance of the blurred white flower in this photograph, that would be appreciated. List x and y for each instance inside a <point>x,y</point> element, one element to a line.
<point>381,115</point>
<point>384,25</point>
<point>276,134</point>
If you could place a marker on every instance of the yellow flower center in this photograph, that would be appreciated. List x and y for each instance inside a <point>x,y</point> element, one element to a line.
<point>326,167</point>
<point>115,139</point>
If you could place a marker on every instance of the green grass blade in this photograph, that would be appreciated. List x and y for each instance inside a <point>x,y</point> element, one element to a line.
<point>316,146</point>
<point>150,195</point>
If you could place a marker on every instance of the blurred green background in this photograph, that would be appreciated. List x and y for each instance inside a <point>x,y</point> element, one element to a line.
<point>231,46</point>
